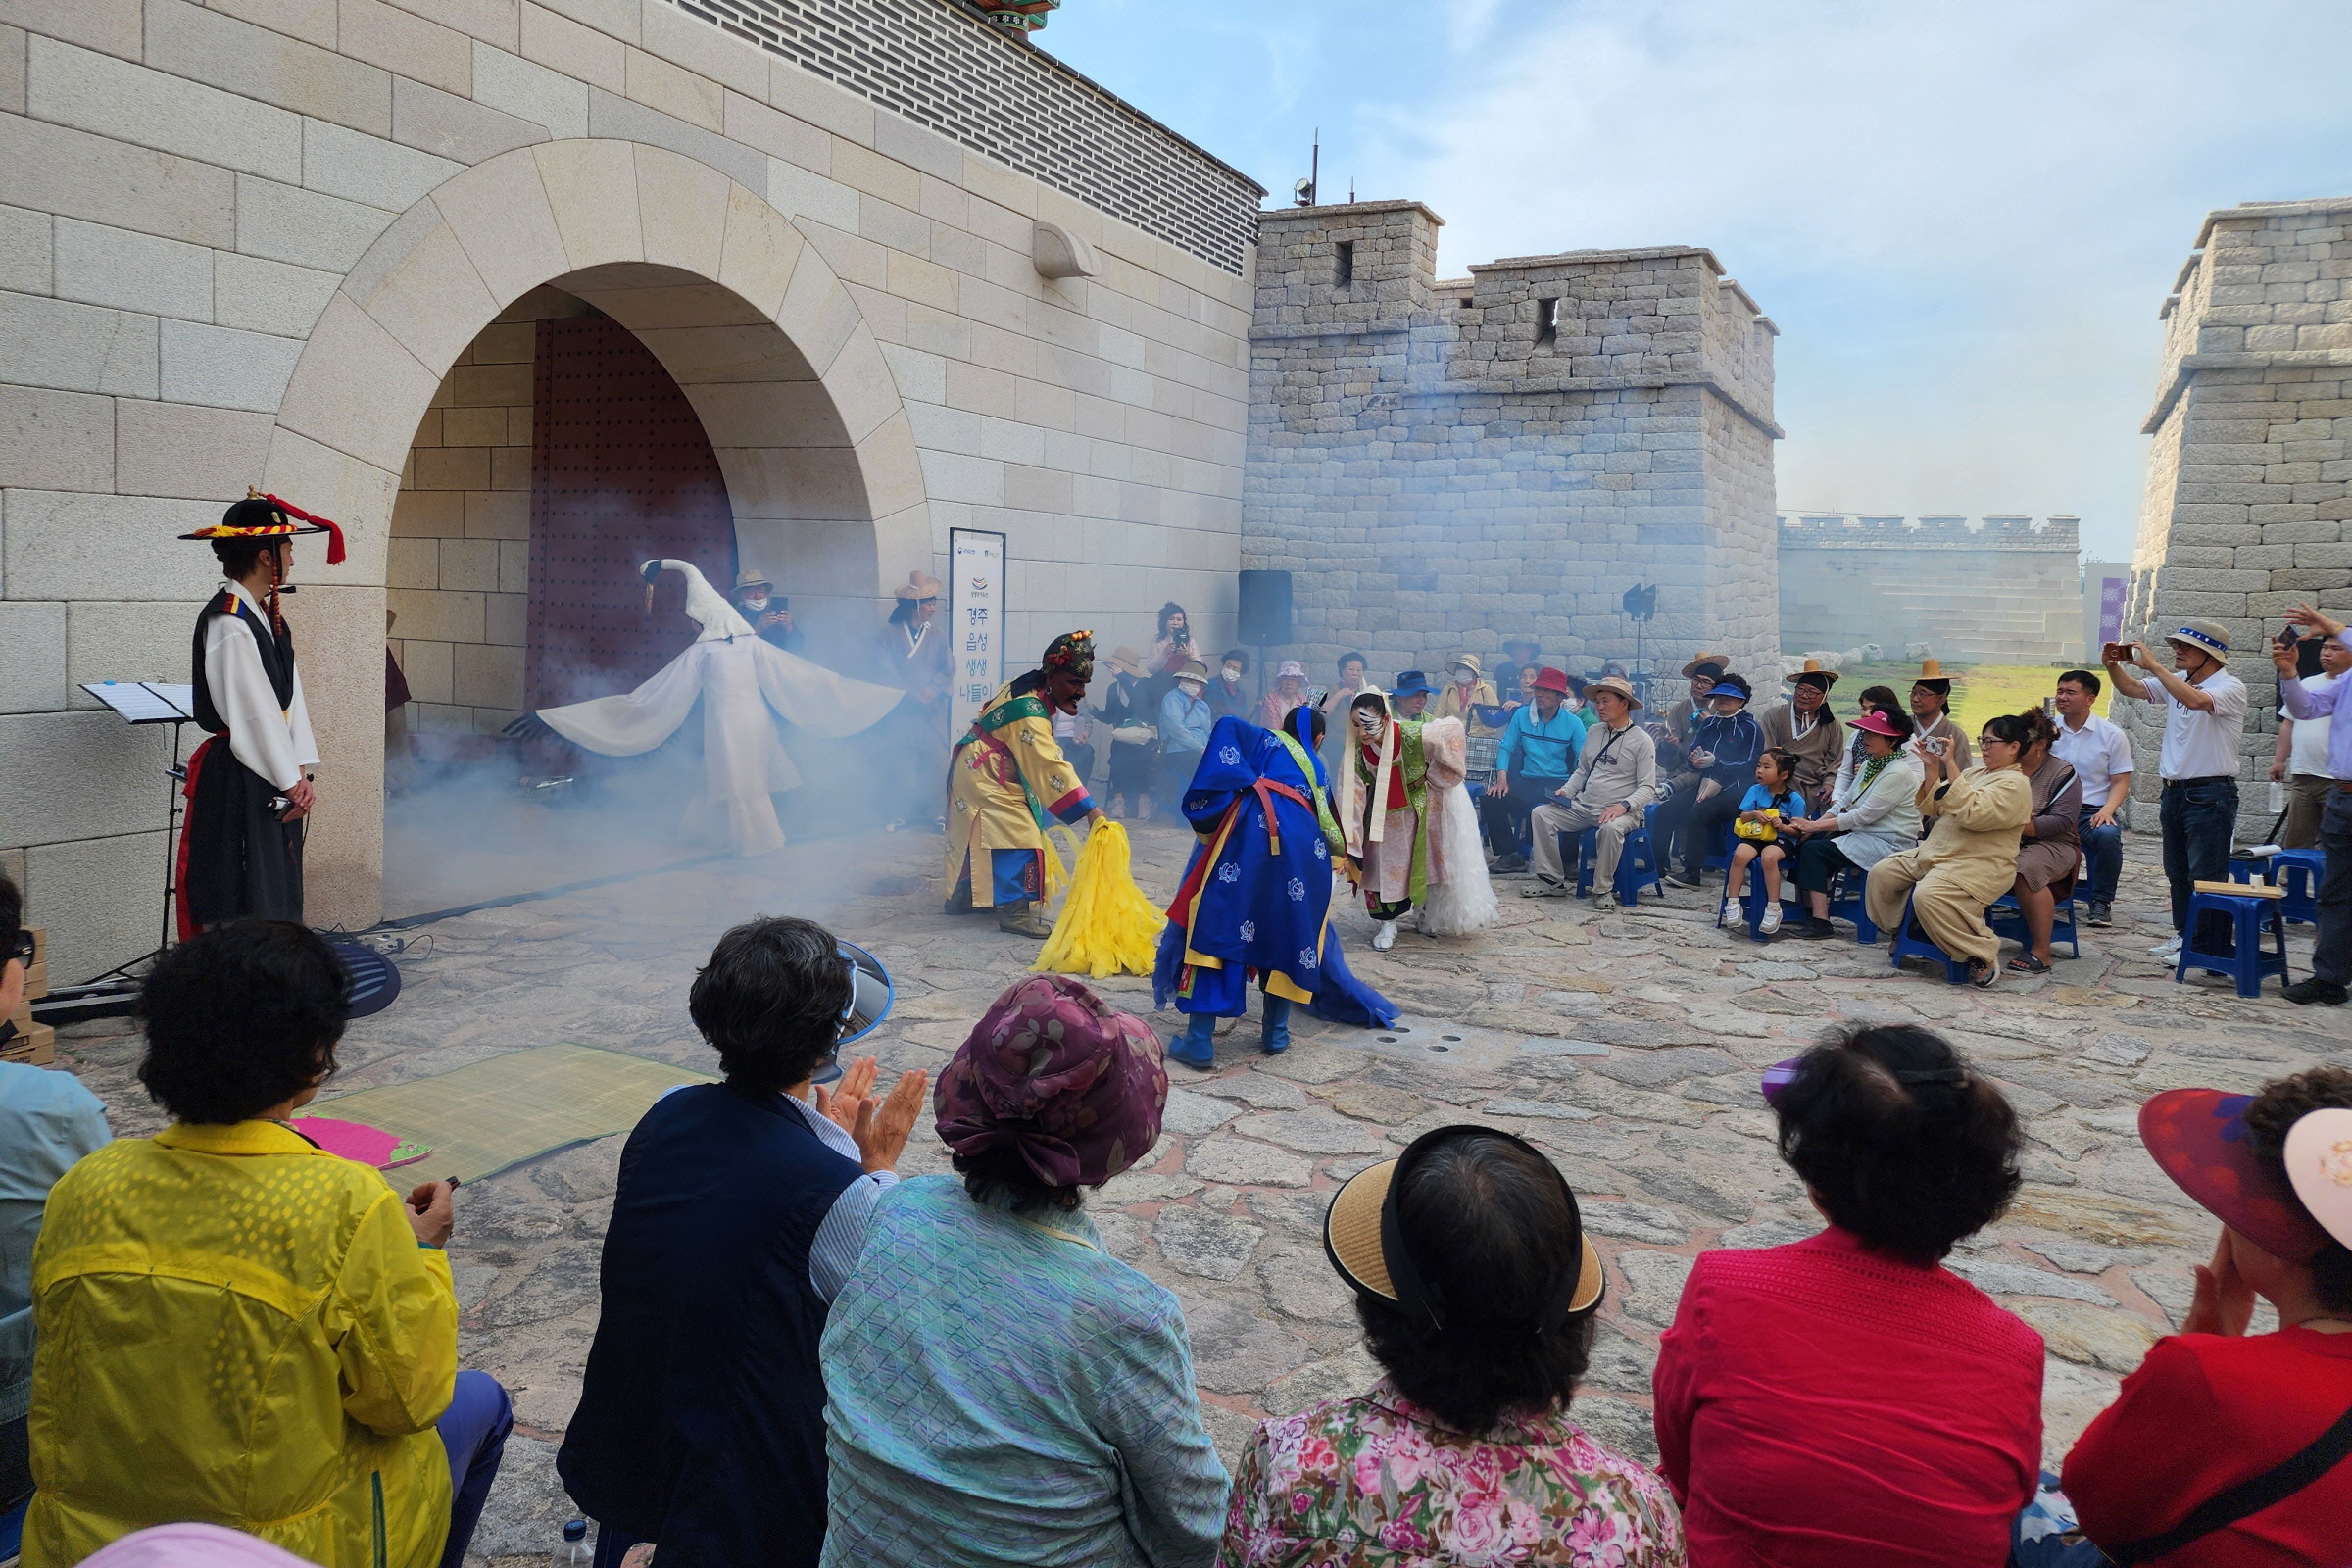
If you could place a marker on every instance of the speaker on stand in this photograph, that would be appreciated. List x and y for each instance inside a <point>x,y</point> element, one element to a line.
<point>1265,616</point>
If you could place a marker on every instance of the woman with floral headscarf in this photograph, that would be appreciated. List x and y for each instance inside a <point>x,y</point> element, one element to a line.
<point>1001,1390</point>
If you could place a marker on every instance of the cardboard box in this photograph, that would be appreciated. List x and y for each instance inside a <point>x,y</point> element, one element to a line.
<point>37,1045</point>
<point>36,972</point>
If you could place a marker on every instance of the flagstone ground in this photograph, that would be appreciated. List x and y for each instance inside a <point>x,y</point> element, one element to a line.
<point>1626,1042</point>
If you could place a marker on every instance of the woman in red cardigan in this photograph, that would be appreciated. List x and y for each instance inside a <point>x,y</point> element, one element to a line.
<point>2230,1450</point>
<point>1847,1399</point>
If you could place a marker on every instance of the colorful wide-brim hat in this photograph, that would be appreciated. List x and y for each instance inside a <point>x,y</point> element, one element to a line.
<point>1872,723</point>
<point>261,517</point>
<point>1725,689</point>
<point>2198,1136</point>
<point>2210,636</point>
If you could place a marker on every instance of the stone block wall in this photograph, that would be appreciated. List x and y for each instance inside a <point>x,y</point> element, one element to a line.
<point>248,244</point>
<point>2248,505</point>
<point>1443,464</point>
<point>2007,591</point>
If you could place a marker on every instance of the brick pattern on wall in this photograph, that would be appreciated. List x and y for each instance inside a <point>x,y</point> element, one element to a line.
<point>2006,592</point>
<point>2248,506</point>
<point>942,67</point>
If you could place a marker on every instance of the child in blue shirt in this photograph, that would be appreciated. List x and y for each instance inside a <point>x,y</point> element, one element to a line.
<point>1773,798</point>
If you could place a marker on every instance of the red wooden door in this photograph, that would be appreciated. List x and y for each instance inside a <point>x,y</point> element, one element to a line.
<point>620,473</point>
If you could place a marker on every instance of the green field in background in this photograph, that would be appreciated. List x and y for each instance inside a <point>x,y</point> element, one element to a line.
<point>1978,691</point>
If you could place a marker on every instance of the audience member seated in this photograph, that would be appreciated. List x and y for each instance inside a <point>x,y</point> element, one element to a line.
<point>1467,690</point>
<point>1805,726</point>
<point>1845,1400</point>
<point>999,1388</point>
<point>1616,778</point>
<point>1970,856</point>
<point>1874,699</point>
<point>742,1204</point>
<point>1226,697</point>
<point>1410,699</point>
<point>2100,754</point>
<point>1771,806</point>
<point>47,1122</point>
<point>1724,742</point>
<point>2050,853</point>
<point>280,1357</point>
<point>1930,711</point>
<point>1186,718</point>
<point>1477,1289</point>
<point>1290,690</point>
<point>2195,1464</point>
<point>192,1546</point>
<point>1874,813</point>
<point>1538,755</point>
<point>1704,673</point>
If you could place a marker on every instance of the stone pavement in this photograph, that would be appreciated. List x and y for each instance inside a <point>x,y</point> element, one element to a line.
<point>1626,1042</point>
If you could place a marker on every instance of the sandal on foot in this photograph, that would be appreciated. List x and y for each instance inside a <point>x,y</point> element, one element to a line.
<point>2026,964</point>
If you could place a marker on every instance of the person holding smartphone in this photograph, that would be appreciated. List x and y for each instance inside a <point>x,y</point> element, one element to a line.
<point>2332,954</point>
<point>2205,715</point>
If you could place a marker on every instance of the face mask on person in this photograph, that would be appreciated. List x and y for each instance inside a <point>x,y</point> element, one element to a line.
<point>756,606</point>
<point>1233,674</point>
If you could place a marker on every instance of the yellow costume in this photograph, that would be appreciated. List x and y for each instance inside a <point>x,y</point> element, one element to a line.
<point>1969,861</point>
<point>1006,779</point>
<point>238,1327</point>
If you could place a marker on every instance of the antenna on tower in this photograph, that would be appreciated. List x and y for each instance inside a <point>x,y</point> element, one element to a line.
<point>1305,190</point>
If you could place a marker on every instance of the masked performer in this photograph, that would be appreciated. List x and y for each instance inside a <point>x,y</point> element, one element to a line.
<point>1005,778</point>
<point>744,685</point>
<point>241,852</point>
<point>1257,897</point>
<point>1412,837</point>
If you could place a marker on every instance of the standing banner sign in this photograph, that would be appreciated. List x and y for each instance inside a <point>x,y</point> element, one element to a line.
<point>976,620</point>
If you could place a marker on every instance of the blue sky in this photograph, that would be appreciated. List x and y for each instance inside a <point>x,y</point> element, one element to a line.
<point>1962,218</point>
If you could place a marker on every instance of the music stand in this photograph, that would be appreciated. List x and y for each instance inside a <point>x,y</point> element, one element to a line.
<point>149,702</point>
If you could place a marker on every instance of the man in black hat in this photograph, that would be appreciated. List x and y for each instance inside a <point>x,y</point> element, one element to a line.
<point>248,785</point>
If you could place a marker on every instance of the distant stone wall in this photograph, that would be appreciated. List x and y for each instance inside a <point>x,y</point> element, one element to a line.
<point>1443,465</point>
<point>2248,505</point>
<point>2006,591</point>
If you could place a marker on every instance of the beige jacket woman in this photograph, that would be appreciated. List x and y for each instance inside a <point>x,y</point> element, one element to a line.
<point>1970,859</point>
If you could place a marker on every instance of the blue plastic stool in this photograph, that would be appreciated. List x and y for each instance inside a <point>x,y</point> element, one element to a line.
<point>1719,858</point>
<point>2296,870</point>
<point>2008,920</point>
<point>1636,861</point>
<point>1907,946</point>
<point>1848,902</point>
<point>1752,905</point>
<point>2248,916</point>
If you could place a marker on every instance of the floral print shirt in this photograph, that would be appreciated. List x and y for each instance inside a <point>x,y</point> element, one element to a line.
<point>1376,1481</point>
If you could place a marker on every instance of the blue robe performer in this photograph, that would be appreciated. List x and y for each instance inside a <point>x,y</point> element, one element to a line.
<point>1257,898</point>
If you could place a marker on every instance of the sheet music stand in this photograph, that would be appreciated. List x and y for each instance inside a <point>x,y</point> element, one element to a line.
<point>148,702</point>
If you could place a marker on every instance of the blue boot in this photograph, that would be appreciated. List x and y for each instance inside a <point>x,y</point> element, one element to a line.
<point>1276,1038</point>
<point>1196,1046</point>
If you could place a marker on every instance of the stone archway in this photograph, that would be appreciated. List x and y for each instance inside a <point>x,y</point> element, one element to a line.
<point>770,347</point>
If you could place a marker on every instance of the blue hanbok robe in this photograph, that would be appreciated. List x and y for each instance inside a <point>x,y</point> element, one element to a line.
<point>1256,895</point>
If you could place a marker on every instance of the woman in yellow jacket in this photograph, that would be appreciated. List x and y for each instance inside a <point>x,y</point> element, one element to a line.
<point>237,1327</point>
<point>1970,857</point>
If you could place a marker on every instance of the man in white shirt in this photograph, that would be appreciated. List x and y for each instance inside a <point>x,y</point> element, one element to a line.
<point>248,788</point>
<point>2204,720</point>
<point>2100,754</point>
<point>2301,760</point>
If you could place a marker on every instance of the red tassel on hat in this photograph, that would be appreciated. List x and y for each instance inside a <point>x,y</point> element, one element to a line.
<point>334,530</point>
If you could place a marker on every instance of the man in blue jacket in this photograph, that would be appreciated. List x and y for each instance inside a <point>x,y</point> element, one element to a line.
<point>1725,743</point>
<point>1537,755</point>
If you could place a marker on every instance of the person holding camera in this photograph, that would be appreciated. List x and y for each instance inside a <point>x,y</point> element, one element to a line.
<point>2332,954</point>
<point>2205,715</point>
<point>1970,857</point>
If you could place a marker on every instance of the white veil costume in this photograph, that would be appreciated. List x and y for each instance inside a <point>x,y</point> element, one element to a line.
<point>1460,897</point>
<point>738,678</point>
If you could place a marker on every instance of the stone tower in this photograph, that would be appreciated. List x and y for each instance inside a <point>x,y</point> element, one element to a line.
<point>2248,506</point>
<point>1444,463</point>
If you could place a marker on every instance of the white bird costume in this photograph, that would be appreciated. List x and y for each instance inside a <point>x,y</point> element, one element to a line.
<point>739,678</point>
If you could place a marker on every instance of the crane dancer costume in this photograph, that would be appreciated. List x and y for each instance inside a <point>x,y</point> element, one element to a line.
<point>1412,836</point>
<point>238,856</point>
<point>1257,897</point>
<point>741,681</point>
<point>1005,778</point>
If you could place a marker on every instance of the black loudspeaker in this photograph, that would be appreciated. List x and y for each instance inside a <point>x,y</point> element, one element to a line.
<point>1265,609</point>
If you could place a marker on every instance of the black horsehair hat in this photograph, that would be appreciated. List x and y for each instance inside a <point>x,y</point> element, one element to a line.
<point>263,517</point>
<point>1364,1236</point>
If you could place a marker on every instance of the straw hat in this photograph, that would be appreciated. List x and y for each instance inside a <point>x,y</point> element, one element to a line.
<point>1931,675</point>
<point>1194,670</point>
<point>1127,661</point>
<point>750,577</point>
<point>1614,683</point>
<point>1720,662</point>
<point>922,585</point>
<point>1467,661</point>
<point>1813,676</point>
<point>2205,636</point>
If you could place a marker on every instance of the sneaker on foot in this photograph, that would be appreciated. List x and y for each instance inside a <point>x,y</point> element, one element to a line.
<point>1814,930</point>
<point>1542,887</point>
<point>1771,921</point>
<point>2167,950</point>
<point>2316,989</point>
<point>1733,915</point>
<point>2101,915</point>
<point>1686,880</point>
<point>1384,935</point>
<point>1983,975</point>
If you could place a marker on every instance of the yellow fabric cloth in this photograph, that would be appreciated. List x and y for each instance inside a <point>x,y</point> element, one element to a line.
<point>1969,861</point>
<point>239,1328</point>
<point>1107,926</point>
<point>990,786</point>
<point>1448,704</point>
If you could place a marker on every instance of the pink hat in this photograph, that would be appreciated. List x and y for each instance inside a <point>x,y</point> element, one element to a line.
<point>193,1546</point>
<point>1874,723</point>
<point>2198,1136</point>
<point>2318,1162</point>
